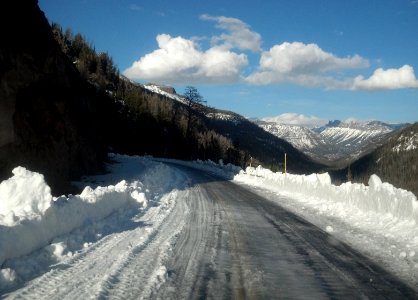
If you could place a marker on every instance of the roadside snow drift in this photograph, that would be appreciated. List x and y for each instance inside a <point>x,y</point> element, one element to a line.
<point>30,217</point>
<point>381,198</point>
<point>377,219</point>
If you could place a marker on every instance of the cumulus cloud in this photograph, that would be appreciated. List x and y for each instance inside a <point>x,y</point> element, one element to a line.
<point>304,64</point>
<point>179,60</point>
<point>297,119</point>
<point>389,79</point>
<point>238,34</point>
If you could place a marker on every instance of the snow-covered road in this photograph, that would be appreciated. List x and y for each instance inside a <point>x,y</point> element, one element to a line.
<point>214,239</point>
<point>237,244</point>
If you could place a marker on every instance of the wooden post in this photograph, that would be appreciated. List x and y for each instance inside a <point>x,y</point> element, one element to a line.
<point>285,162</point>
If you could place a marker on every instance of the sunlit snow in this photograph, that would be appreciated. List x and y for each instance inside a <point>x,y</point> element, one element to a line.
<point>38,230</point>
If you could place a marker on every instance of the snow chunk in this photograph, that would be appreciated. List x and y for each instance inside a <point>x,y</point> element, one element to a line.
<point>375,182</point>
<point>7,277</point>
<point>329,229</point>
<point>25,195</point>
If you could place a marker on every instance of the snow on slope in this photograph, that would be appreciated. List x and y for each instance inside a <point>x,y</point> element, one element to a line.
<point>406,142</point>
<point>171,93</point>
<point>158,89</point>
<point>300,137</point>
<point>333,141</point>
<point>348,136</point>
<point>351,133</point>
<point>224,116</point>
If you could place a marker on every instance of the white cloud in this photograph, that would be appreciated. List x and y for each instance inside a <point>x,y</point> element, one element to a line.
<point>389,79</point>
<point>297,119</point>
<point>303,64</point>
<point>179,60</point>
<point>239,34</point>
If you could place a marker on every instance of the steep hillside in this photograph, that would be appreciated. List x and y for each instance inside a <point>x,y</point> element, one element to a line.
<point>49,116</point>
<point>245,136</point>
<point>151,119</point>
<point>302,138</point>
<point>395,162</point>
<point>354,139</point>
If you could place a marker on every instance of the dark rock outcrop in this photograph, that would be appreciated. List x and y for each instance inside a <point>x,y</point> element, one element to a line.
<point>50,118</point>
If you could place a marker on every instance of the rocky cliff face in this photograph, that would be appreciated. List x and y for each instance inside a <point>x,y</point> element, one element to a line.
<point>48,118</point>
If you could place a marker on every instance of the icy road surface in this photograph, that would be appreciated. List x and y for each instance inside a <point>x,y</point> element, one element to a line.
<point>215,239</point>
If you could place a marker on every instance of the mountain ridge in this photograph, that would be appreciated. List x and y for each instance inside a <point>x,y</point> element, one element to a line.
<point>396,161</point>
<point>239,129</point>
<point>336,143</point>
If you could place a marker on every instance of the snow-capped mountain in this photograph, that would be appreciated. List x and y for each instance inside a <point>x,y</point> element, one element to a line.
<point>336,140</point>
<point>299,136</point>
<point>352,133</point>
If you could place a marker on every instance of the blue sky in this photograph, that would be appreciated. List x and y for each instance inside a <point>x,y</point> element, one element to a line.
<point>325,59</point>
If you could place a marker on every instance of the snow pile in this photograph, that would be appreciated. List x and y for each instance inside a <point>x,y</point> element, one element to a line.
<point>14,200</point>
<point>379,198</point>
<point>30,217</point>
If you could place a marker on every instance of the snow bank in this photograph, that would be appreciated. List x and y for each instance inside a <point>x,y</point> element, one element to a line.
<point>377,197</point>
<point>22,233</point>
<point>30,217</point>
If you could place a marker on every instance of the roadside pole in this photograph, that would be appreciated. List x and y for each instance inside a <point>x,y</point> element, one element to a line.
<point>285,162</point>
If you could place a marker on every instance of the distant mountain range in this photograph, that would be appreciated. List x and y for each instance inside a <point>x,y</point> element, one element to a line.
<point>337,142</point>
